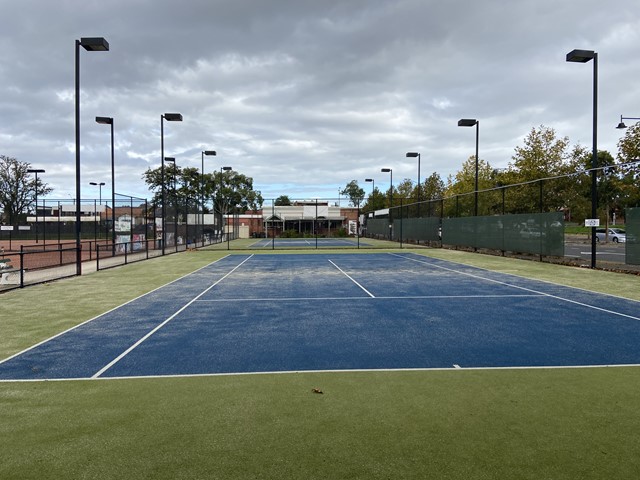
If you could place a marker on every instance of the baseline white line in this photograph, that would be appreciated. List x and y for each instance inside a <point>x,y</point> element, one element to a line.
<point>158,327</point>
<point>408,297</point>
<point>107,312</point>
<point>350,278</point>
<point>575,302</point>
<point>340,370</point>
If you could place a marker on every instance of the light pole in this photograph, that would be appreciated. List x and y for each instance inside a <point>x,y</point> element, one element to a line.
<point>208,153</point>
<point>175,215</point>
<point>373,187</point>
<point>622,125</point>
<point>224,169</point>
<point>36,171</point>
<point>109,121</point>
<point>100,185</point>
<point>96,44</point>
<point>169,117</point>
<point>413,155</point>
<point>584,56</point>
<point>390,171</point>
<point>470,122</point>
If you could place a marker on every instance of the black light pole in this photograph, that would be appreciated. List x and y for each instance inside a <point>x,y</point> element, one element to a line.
<point>109,121</point>
<point>622,125</point>
<point>224,169</point>
<point>36,171</point>
<point>97,44</point>
<point>208,153</point>
<point>373,187</point>
<point>169,117</point>
<point>413,155</point>
<point>389,170</point>
<point>470,122</point>
<point>100,185</point>
<point>175,201</point>
<point>584,56</point>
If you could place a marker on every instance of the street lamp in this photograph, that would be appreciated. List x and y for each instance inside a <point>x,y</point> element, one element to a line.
<point>622,125</point>
<point>169,117</point>
<point>36,171</point>
<point>373,187</point>
<point>389,170</point>
<point>175,201</point>
<point>208,153</point>
<point>224,169</point>
<point>109,121</point>
<point>100,185</point>
<point>96,44</point>
<point>584,56</point>
<point>470,122</point>
<point>414,155</point>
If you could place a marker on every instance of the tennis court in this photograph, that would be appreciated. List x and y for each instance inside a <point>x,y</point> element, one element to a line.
<point>319,242</point>
<point>282,313</point>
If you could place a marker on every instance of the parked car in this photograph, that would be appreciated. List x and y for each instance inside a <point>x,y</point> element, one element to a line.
<point>616,235</point>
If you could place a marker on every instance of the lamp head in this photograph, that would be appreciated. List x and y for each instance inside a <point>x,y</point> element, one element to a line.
<point>96,44</point>
<point>467,122</point>
<point>580,56</point>
<point>413,154</point>
<point>209,152</point>
<point>172,117</point>
<point>104,120</point>
<point>386,170</point>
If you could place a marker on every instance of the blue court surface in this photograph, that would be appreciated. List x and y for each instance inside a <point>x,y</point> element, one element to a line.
<point>276,313</point>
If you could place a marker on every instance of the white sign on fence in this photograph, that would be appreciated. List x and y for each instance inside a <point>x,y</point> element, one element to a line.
<point>591,222</point>
<point>6,227</point>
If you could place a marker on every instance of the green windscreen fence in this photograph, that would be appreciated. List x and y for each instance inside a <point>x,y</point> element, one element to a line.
<point>632,247</point>
<point>378,227</point>
<point>416,229</point>
<point>540,233</point>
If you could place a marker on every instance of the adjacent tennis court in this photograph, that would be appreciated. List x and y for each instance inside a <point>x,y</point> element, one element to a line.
<point>281,313</point>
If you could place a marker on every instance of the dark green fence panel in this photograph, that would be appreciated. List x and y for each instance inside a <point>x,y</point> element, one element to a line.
<point>538,233</point>
<point>417,229</point>
<point>378,227</point>
<point>632,246</point>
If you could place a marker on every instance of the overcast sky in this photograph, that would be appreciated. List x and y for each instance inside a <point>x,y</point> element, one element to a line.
<point>307,95</point>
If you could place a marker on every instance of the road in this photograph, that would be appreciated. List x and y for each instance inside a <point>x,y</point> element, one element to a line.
<point>606,252</point>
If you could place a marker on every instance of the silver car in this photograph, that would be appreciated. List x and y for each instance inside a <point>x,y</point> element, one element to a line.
<point>616,235</point>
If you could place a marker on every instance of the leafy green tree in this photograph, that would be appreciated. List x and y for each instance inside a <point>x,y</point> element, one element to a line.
<point>18,188</point>
<point>628,158</point>
<point>283,201</point>
<point>376,200</point>
<point>462,185</point>
<point>230,191</point>
<point>355,193</point>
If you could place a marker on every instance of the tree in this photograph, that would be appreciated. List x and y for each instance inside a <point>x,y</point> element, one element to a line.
<point>17,188</point>
<point>629,156</point>
<point>231,191</point>
<point>283,201</point>
<point>354,192</point>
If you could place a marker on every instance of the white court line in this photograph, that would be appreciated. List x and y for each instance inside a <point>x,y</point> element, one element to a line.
<point>453,368</point>
<point>107,312</point>
<point>520,288</point>
<point>349,277</point>
<point>135,345</point>
<point>405,297</point>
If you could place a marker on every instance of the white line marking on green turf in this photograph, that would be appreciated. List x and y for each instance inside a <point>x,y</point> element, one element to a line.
<point>350,278</point>
<point>520,288</point>
<point>298,372</point>
<point>108,311</point>
<point>135,345</point>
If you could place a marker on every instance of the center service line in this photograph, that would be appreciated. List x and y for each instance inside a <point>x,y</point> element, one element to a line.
<point>349,277</point>
<point>135,345</point>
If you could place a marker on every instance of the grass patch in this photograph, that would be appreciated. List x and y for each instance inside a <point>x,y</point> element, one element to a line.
<point>467,424</point>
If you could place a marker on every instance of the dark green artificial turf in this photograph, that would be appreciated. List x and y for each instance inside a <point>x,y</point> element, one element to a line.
<point>529,424</point>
